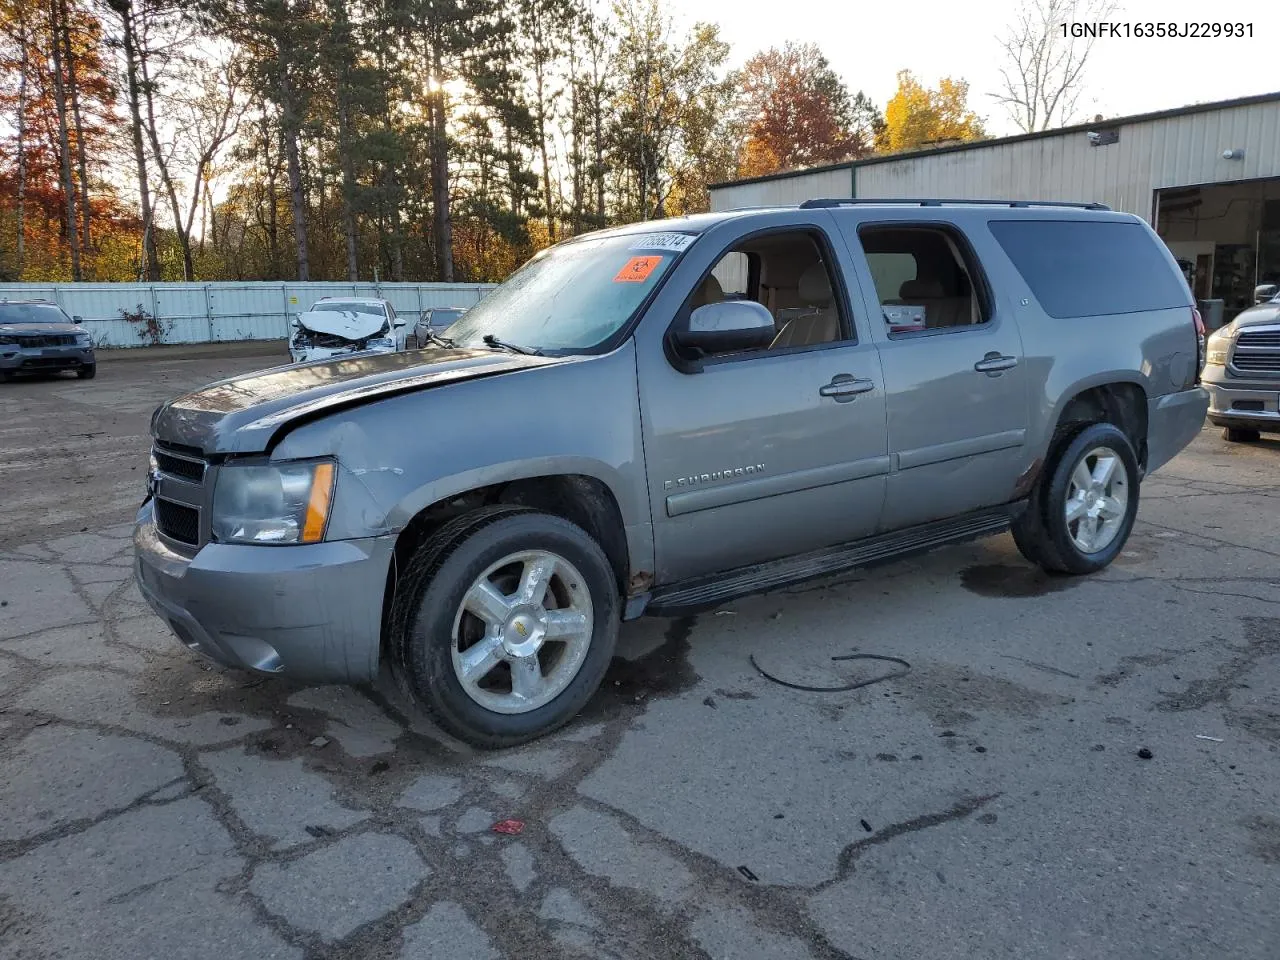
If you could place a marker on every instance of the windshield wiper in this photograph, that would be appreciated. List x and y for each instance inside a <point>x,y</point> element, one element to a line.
<point>491,341</point>
<point>440,341</point>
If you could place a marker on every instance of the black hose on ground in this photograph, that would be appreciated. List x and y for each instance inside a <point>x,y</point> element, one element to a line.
<point>906,668</point>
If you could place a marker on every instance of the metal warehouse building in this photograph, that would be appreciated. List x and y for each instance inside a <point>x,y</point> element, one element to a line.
<point>1207,177</point>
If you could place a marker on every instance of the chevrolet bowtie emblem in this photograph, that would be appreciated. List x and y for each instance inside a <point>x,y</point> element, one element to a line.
<point>522,629</point>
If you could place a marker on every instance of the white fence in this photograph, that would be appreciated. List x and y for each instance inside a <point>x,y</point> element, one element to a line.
<point>212,312</point>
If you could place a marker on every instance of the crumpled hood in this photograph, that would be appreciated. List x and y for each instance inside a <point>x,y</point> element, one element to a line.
<point>244,414</point>
<point>37,329</point>
<point>347,323</point>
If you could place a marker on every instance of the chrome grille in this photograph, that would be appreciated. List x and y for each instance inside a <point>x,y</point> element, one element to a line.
<point>178,522</point>
<point>1257,351</point>
<point>1259,338</point>
<point>188,468</point>
<point>178,488</point>
<point>1262,362</point>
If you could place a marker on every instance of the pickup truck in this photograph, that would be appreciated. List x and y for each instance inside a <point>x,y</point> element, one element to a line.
<point>662,417</point>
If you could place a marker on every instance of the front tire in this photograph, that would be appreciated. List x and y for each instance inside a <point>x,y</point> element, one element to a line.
<point>1240,435</point>
<point>87,371</point>
<point>1083,510</point>
<point>504,624</point>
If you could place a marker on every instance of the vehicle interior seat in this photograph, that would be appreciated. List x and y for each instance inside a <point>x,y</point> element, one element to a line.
<point>940,310</point>
<point>709,292</point>
<point>821,324</point>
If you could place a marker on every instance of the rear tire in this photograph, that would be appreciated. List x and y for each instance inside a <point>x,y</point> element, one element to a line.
<point>88,371</point>
<point>1240,435</point>
<point>1082,511</point>
<point>496,655</point>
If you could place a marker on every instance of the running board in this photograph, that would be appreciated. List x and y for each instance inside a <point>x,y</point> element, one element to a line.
<point>692,596</point>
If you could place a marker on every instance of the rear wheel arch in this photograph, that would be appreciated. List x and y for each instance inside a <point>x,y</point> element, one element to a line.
<point>1122,403</point>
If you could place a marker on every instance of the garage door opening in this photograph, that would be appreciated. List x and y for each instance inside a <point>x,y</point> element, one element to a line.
<point>1226,238</point>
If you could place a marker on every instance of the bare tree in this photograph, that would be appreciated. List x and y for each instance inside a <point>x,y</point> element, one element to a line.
<point>1043,73</point>
<point>58,13</point>
<point>127,12</point>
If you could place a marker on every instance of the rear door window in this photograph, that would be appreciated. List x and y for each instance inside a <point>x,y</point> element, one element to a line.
<point>1089,268</point>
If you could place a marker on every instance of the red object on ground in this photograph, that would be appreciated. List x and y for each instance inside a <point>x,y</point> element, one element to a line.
<point>509,827</point>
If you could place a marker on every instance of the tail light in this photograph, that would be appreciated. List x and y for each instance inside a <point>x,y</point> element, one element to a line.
<point>1198,321</point>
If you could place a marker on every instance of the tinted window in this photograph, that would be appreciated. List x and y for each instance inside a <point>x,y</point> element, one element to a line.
<point>31,313</point>
<point>926,272</point>
<point>1083,268</point>
<point>890,271</point>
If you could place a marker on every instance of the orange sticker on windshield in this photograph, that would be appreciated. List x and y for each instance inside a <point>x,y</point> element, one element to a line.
<point>637,269</point>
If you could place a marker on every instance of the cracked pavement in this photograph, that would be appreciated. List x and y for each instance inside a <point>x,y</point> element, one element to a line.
<point>991,803</point>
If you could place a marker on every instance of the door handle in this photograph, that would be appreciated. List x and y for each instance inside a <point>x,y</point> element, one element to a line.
<point>993,363</point>
<point>845,387</point>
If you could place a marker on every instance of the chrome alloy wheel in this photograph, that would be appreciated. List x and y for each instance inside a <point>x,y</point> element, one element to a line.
<point>522,632</point>
<point>1097,499</point>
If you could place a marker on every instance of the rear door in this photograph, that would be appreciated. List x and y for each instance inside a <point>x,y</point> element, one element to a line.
<point>954,371</point>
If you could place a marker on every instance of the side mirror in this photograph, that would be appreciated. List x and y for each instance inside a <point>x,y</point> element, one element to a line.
<point>293,321</point>
<point>1264,292</point>
<point>77,319</point>
<point>398,323</point>
<point>726,325</point>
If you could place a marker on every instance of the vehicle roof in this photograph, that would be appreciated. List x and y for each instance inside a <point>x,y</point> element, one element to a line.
<point>354,299</point>
<point>39,300</point>
<point>905,208</point>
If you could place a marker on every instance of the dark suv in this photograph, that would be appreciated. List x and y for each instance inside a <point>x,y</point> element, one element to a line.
<point>36,336</point>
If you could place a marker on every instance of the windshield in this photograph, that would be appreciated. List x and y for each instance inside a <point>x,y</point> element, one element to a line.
<point>347,306</point>
<point>573,296</point>
<point>31,313</point>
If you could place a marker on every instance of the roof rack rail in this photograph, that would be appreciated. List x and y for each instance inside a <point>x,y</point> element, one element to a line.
<point>929,202</point>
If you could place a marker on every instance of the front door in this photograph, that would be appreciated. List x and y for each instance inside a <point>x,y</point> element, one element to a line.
<point>955,377</point>
<point>773,452</point>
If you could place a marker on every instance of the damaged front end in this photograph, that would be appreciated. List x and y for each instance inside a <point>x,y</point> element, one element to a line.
<point>327,335</point>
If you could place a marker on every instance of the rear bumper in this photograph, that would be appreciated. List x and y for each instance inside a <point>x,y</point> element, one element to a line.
<point>1249,408</point>
<point>311,612</point>
<point>1173,421</point>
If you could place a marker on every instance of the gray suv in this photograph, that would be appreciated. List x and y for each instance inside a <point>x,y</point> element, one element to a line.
<point>660,418</point>
<point>36,336</point>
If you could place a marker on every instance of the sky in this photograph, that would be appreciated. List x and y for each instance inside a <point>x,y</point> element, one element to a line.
<point>868,42</point>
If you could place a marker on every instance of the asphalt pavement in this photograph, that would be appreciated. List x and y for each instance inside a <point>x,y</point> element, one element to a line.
<point>1072,768</point>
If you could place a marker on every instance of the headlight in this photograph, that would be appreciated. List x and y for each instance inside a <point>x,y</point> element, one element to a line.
<point>381,343</point>
<point>8,341</point>
<point>1219,345</point>
<point>84,340</point>
<point>284,503</point>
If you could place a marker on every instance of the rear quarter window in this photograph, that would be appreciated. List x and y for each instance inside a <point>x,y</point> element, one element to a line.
<point>1090,268</point>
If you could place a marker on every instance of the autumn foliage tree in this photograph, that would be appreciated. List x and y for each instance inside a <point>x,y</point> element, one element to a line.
<point>798,112</point>
<point>56,208</point>
<point>917,116</point>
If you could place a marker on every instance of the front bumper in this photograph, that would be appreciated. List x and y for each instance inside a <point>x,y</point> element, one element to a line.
<point>16,359</point>
<point>1252,407</point>
<point>311,612</point>
<point>315,354</point>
